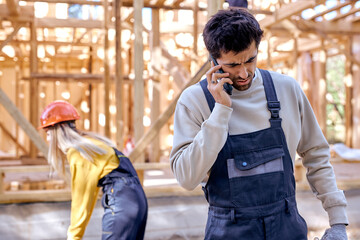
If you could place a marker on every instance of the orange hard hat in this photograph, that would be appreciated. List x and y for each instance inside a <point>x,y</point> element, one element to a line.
<point>56,112</point>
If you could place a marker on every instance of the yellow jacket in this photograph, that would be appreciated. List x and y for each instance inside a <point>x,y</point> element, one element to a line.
<point>84,191</point>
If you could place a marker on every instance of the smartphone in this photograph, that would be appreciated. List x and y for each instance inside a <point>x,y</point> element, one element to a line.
<point>227,87</point>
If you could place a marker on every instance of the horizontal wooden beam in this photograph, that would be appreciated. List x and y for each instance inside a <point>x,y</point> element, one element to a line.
<point>124,4</point>
<point>343,15</point>
<point>59,43</point>
<point>78,77</point>
<point>339,27</point>
<point>50,22</point>
<point>286,11</point>
<point>26,13</point>
<point>13,6</point>
<point>35,196</point>
<point>177,2</point>
<point>308,28</point>
<point>330,10</point>
<point>70,2</point>
<point>69,77</point>
<point>68,23</point>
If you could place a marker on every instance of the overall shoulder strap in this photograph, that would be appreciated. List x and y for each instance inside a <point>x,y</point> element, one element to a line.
<point>273,102</point>
<point>209,98</point>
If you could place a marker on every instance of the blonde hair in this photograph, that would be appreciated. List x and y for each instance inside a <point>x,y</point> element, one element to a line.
<point>64,136</point>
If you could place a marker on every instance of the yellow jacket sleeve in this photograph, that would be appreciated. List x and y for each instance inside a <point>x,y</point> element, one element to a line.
<point>84,192</point>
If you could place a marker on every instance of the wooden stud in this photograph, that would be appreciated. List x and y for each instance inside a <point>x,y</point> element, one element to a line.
<point>34,86</point>
<point>213,7</point>
<point>106,71</point>
<point>319,88</point>
<point>138,69</point>
<point>349,88</point>
<point>196,26</point>
<point>355,70</point>
<point>156,66</point>
<point>119,91</point>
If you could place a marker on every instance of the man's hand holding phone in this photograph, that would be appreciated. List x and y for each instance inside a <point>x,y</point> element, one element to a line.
<point>216,81</point>
<point>227,87</point>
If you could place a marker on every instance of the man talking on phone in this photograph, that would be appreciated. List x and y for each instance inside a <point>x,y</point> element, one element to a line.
<point>241,147</point>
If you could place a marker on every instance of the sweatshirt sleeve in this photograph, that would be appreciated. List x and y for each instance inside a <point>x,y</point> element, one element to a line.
<point>84,192</point>
<point>197,142</point>
<point>314,150</point>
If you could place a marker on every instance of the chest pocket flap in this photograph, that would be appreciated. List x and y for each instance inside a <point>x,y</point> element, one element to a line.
<point>249,160</point>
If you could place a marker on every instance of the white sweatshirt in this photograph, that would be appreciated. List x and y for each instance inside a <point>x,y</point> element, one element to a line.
<point>199,135</point>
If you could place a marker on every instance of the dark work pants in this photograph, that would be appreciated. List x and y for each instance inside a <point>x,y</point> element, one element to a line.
<point>125,207</point>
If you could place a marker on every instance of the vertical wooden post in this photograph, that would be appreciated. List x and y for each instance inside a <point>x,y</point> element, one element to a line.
<point>319,88</point>
<point>95,107</point>
<point>156,66</point>
<point>130,99</point>
<point>196,25</point>
<point>213,7</point>
<point>138,68</point>
<point>17,91</point>
<point>34,86</point>
<point>349,96</point>
<point>119,92</point>
<point>355,70</point>
<point>306,74</point>
<point>89,99</point>
<point>106,70</point>
<point>138,81</point>
<point>54,92</point>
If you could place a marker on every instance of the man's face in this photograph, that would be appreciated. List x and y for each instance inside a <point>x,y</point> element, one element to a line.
<point>240,66</point>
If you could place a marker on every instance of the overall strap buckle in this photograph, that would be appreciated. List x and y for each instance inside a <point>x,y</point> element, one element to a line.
<point>274,108</point>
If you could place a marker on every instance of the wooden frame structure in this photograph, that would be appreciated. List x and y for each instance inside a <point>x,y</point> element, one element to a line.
<point>123,69</point>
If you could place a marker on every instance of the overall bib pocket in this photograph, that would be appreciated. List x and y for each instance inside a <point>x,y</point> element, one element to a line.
<point>257,177</point>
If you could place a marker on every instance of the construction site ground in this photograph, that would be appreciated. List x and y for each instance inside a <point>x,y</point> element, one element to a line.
<point>171,217</point>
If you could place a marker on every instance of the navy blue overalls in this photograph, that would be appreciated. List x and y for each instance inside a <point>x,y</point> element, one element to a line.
<point>124,202</point>
<point>251,187</point>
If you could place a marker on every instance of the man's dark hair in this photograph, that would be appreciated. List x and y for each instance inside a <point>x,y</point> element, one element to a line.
<point>231,31</point>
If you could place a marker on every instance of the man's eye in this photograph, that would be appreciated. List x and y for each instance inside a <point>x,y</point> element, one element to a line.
<point>250,60</point>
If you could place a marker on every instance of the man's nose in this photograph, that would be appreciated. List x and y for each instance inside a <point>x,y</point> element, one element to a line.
<point>243,73</point>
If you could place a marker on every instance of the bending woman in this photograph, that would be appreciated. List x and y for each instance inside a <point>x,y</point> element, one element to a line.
<point>94,162</point>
